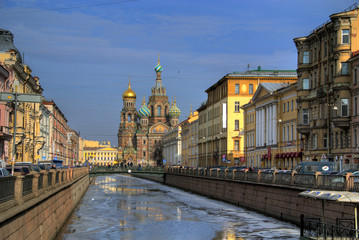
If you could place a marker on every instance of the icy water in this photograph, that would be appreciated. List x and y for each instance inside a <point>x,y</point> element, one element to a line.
<point>123,207</point>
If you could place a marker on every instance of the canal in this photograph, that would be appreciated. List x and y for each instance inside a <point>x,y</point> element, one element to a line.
<point>124,207</point>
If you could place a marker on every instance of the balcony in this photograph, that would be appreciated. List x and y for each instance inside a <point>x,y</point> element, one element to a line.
<point>5,133</point>
<point>341,122</point>
<point>303,129</point>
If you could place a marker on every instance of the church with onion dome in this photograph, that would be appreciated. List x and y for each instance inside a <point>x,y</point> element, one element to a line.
<point>141,130</point>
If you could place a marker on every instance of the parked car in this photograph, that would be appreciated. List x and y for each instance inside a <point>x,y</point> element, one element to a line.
<point>44,166</point>
<point>4,172</point>
<point>313,167</point>
<point>23,170</point>
<point>29,164</point>
<point>237,168</point>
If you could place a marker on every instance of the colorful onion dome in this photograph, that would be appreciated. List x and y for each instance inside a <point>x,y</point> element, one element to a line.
<point>144,111</point>
<point>158,68</point>
<point>174,111</point>
<point>129,94</point>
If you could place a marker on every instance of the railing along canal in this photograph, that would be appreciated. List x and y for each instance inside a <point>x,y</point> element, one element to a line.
<point>16,190</point>
<point>312,181</point>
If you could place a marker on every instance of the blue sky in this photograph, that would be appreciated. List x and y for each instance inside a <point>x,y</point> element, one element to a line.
<point>84,51</point>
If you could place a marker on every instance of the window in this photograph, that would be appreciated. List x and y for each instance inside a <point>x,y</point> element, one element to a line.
<point>305,117</point>
<point>158,110</point>
<point>336,140</point>
<point>355,138</point>
<point>305,82</point>
<point>236,89</point>
<point>144,154</point>
<point>292,132</point>
<point>284,107</point>
<point>284,134</point>
<point>129,118</point>
<point>314,141</point>
<point>345,68</point>
<point>250,88</point>
<point>236,106</point>
<point>345,107</point>
<point>345,36</point>
<point>355,76</point>
<point>288,106</point>
<point>288,133</point>
<point>292,107</point>
<point>325,140</point>
<point>236,145</point>
<point>306,57</point>
<point>355,106</point>
<point>236,125</point>
<point>144,141</point>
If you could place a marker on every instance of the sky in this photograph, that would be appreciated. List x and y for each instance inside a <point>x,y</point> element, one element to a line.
<point>85,51</point>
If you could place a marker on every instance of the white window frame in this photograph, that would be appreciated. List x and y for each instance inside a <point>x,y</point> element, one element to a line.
<point>345,36</point>
<point>236,88</point>
<point>344,102</point>
<point>305,117</point>
<point>306,57</point>
<point>305,84</point>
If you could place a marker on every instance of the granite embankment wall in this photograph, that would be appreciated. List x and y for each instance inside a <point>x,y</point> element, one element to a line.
<point>281,202</point>
<point>41,212</point>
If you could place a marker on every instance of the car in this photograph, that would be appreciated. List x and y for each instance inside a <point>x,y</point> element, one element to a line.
<point>22,170</point>
<point>29,164</point>
<point>313,167</point>
<point>343,173</point>
<point>237,168</point>
<point>4,172</point>
<point>44,166</point>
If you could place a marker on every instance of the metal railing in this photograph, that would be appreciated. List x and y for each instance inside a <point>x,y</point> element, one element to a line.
<point>312,181</point>
<point>7,188</point>
<point>314,228</point>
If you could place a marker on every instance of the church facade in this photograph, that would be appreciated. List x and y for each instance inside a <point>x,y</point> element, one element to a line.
<point>141,131</point>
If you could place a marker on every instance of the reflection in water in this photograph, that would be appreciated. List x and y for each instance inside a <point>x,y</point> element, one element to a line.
<point>123,207</point>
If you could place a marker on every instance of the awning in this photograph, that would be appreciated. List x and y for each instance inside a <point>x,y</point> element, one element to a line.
<point>336,196</point>
<point>276,155</point>
<point>298,154</point>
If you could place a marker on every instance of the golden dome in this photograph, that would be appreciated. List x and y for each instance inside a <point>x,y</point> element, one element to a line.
<point>129,94</point>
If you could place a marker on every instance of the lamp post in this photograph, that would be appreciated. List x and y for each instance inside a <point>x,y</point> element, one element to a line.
<point>206,153</point>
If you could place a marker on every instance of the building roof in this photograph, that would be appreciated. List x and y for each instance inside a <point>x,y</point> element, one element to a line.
<point>264,73</point>
<point>7,43</point>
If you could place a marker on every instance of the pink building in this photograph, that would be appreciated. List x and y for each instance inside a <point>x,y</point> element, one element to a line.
<point>5,108</point>
<point>354,87</point>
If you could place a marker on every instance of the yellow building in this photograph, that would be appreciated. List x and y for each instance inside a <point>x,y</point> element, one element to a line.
<point>189,139</point>
<point>221,127</point>
<point>271,139</point>
<point>324,97</point>
<point>28,137</point>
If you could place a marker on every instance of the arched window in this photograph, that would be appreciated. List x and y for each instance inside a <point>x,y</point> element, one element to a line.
<point>129,118</point>
<point>166,110</point>
<point>158,110</point>
<point>152,112</point>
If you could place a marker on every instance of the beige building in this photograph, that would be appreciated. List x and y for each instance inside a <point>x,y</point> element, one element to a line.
<point>271,139</point>
<point>189,139</point>
<point>99,153</point>
<point>172,149</point>
<point>324,98</point>
<point>221,123</point>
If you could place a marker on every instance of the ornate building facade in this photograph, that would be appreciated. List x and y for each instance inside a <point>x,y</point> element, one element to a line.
<point>324,93</point>
<point>140,132</point>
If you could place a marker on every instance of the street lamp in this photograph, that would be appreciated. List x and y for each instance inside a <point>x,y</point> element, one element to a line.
<point>206,152</point>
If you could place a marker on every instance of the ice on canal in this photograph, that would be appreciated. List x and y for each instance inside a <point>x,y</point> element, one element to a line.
<point>123,207</point>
